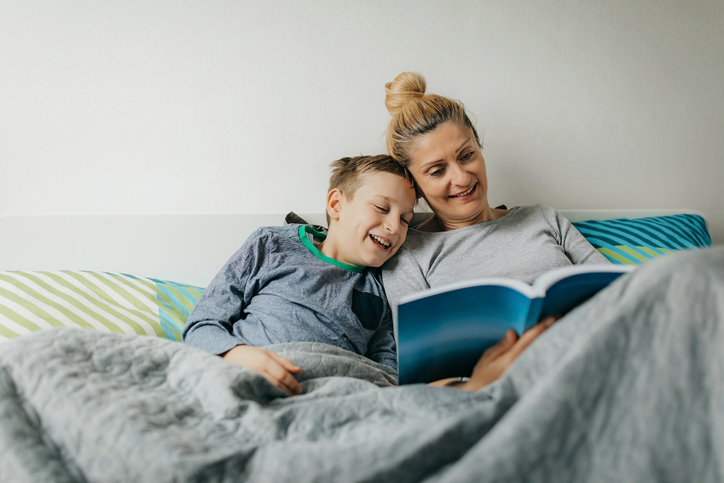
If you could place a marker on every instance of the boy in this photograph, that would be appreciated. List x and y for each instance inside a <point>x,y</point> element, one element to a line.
<point>292,283</point>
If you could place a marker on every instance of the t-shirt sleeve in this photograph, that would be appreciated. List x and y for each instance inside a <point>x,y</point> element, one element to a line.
<point>210,325</point>
<point>577,248</point>
<point>381,347</point>
<point>402,276</point>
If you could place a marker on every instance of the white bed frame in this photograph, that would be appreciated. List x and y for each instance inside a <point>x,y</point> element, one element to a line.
<point>181,248</point>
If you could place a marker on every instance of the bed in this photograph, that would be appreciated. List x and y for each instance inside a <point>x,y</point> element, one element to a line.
<point>123,400</point>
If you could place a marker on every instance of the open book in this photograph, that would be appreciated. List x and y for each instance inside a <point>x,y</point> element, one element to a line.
<point>443,332</point>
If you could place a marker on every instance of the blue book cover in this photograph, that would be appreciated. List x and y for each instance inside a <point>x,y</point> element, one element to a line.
<point>443,332</point>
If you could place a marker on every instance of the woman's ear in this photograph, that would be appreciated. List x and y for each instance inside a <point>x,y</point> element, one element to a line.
<point>334,203</point>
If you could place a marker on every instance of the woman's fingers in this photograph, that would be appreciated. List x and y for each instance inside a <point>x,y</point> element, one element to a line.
<point>502,346</point>
<point>496,360</point>
<point>529,336</point>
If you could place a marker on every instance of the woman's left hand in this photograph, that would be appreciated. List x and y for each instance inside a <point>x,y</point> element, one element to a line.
<point>498,358</point>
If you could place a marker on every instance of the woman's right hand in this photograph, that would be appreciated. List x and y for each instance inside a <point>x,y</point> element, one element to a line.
<point>275,368</point>
<point>498,358</point>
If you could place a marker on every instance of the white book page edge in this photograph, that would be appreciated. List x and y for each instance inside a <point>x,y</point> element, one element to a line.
<point>557,274</point>
<point>517,285</point>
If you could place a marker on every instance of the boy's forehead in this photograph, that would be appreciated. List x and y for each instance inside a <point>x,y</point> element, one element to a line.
<point>385,184</point>
<point>374,178</point>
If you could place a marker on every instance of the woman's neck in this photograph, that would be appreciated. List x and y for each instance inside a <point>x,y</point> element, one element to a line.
<point>438,224</point>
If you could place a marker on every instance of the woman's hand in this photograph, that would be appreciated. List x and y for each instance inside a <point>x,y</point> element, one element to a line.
<point>498,358</point>
<point>275,368</point>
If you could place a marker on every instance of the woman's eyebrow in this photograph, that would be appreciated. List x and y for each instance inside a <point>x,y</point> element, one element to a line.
<point>463,145</point>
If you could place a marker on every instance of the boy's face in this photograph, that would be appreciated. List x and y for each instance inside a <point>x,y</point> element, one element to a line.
<point>372,225</point>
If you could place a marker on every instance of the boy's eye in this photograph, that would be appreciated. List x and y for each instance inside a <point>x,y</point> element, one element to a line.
<point>380,209</point>
<point>404,221</point>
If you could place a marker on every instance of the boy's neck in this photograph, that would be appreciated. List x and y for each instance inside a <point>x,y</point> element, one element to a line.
<point>327,246</point>
<point>316,245</point>
<point>331,246</point>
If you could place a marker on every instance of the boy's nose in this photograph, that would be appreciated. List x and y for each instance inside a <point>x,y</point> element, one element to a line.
<point>392,225</point>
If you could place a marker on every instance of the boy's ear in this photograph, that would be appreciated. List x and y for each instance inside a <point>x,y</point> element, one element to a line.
<point>334,203</point>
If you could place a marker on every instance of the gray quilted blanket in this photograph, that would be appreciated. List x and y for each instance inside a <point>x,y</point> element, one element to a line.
<point>629,387</point>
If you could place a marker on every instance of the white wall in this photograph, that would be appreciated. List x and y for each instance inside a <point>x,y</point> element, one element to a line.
<point>240,106</point>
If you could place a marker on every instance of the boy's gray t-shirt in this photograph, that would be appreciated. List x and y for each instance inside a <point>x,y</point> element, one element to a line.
<point>275,289</point>
<point>524,244</point>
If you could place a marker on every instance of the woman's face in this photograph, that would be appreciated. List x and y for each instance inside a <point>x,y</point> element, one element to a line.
<point>449,170</point>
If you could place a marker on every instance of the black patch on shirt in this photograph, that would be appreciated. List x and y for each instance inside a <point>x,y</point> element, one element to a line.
<point>368,308</point>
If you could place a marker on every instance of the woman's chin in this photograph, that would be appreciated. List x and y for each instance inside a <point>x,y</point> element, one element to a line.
<point>457,211</point>
<point>464,206</point>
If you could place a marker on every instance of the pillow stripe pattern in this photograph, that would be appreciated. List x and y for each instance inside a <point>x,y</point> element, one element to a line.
<point>44,304</point>
<point>108,302</point>
<point>632,242</point>
<point>176,303</point>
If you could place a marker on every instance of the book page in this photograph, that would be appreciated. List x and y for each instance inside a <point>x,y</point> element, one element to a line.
<point>553,276</point>
<point>566,293</point>
<point>516,285</point>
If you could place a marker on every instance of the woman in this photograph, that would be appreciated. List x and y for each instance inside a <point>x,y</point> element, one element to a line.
<point>626,387</point>
<point>466,238</point>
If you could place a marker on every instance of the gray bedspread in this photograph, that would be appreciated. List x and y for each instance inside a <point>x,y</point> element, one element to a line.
<point>629,387</point>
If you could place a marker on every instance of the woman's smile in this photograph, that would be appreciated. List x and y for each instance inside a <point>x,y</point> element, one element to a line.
<point>465,193</point>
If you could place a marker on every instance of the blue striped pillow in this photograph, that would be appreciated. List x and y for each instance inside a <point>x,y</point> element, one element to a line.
<point>634,241</point>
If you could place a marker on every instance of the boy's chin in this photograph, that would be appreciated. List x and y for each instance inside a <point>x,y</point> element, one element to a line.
<point>377,258</point>
<point>378,263</point>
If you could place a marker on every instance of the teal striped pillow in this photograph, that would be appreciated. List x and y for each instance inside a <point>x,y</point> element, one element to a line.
<point>632,242</point>
<point>108,302</point>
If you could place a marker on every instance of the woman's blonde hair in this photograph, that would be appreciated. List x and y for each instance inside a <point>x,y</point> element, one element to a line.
<point>415,113</point>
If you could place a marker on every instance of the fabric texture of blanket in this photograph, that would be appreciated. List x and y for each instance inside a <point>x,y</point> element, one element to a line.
<point>629,386</point>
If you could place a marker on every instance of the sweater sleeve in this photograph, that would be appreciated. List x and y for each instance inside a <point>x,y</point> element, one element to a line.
<point>210,325</point>
<point>577,248</point>
<point>382,347</point>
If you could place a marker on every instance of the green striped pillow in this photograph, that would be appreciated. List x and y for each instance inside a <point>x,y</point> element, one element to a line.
<point>108,302</point>
<point>634,241</point>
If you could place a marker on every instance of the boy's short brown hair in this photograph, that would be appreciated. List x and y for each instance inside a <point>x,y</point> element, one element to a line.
<point>349,173</point>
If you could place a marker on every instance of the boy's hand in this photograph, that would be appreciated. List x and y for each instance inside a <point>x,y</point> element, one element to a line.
<point>275,368</point>
<point>498,358</point>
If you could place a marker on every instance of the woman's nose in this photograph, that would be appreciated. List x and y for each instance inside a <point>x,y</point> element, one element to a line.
<point>458,176</point>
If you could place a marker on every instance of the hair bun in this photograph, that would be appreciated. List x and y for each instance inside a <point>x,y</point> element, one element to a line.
<point>406,87</point>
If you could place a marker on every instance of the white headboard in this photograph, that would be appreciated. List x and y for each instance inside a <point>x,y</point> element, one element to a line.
<point>182,248</point>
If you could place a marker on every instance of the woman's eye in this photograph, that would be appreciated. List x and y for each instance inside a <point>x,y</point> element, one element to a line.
<point>436,173</point>
<point>468,156</point>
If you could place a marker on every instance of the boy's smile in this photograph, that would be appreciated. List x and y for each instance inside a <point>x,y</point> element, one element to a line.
<point>369,228</point>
